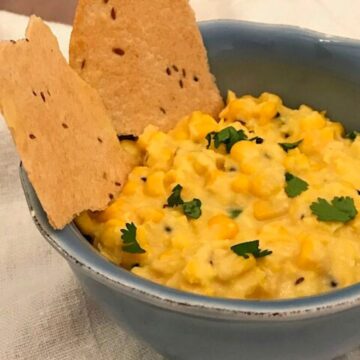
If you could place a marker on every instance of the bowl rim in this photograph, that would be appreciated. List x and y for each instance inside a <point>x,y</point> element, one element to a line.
<point>81,255</point>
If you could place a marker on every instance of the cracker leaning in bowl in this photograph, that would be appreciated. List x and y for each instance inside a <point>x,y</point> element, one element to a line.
<point>59,124</point>
<point>146,59</point>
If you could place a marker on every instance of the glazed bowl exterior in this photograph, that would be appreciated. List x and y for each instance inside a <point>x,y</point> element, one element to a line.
<point>249,58</point>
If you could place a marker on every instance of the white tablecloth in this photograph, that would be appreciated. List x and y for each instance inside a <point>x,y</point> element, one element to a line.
<point>43,311</point>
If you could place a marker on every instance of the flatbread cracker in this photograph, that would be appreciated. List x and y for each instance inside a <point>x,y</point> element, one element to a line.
<point>60,127</point>
<point>146,59</point>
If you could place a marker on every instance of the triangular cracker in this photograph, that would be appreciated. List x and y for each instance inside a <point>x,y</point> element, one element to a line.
<point>146,59</point>
<point>60,126</point>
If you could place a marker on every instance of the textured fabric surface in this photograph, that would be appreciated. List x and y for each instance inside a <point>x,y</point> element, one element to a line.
<point>44,313</point>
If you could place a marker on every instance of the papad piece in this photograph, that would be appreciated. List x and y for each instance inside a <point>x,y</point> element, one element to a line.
<point>60,126</point>
<point>147,60</point>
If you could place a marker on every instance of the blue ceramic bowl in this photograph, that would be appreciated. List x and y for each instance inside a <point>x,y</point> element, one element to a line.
<point>302,67</point>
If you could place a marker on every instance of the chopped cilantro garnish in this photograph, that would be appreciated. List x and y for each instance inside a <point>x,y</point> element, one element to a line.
<point>250,248</point>
<point>289,146</point>
<point>294,185</point>
<point>191,209</point>
<point>340,209</point>
<point>228,136</point>
<point>175,197</point>
<point>234,213</point>
<point>130,244</point>
<point>352,135</point>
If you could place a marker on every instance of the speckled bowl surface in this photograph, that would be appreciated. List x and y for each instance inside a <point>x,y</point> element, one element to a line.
<point>302,67</point>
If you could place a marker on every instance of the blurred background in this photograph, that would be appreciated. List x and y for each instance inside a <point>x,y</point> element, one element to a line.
<point>55,10</point>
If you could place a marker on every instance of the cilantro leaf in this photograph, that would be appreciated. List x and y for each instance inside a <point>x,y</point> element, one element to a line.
<point>294,185</point>
<point>234,213</point>
<point>130,244</point>
<point>175,198</point>
<point>250,248</point>
<point>228,136</point>
<point>209,138</point>
<point>340,209</point>
<point>289,146</point>
<point>352,135</point>
<point>192,209</point>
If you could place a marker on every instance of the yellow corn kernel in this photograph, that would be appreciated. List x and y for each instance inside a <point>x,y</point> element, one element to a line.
<point>231,96</point>
<point>266,183</point>
<point>130,188</point>
<point>311,252</point>
<point>146,137</point>
<point>170,178</point>
<point>338,129</point>
<point>212,176</point>
<point>230,266</point>
<point>181,241</point>
<point>316,140</point>
<point>138,172</point>
<point>265,210</point>
<point>240,184</point>
<point>181,130</point>
<point>111,235</point>
<point>154,185</point>
<point>86,224</point>
<point>198,272</point>
<point>113,211</point>
<point>244,152</point>
<point>223,227</point>
<point>150,214</point>
<point>267,112</point>
<point>244,109</point>
<point>159,157</point>
<point>313,121</point>
<point>200,125</point>
<point>169,262</point>
<point>296,161</point>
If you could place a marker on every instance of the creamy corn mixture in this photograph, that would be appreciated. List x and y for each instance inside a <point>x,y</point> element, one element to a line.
<point>191,212</point>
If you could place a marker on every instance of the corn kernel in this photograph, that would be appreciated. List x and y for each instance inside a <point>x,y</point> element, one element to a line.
<point>146,137</point>
<point>296,161</point>
<point>338,129</point>
<point>86,224</point>
<point>150,214</point>
<point>223,227</point>
<point>231,96</point>
<point>240,184</point>
<point>229,266</point>
<point>181,130</point>
<point>244,109</point>
<point>181,241</point>
<point>313,121</point>
<point>113,211</point>
<point>138,172</point>
<point>200,125</point>
<point>311,252</point>
<point>244,152</point>
<point>198,272</point>
<point>316,140</point>
<point>266,183</point>
<point>155,184</point>
<point>265,210</point>
<point>130,188</point>
<point>268,111</point>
